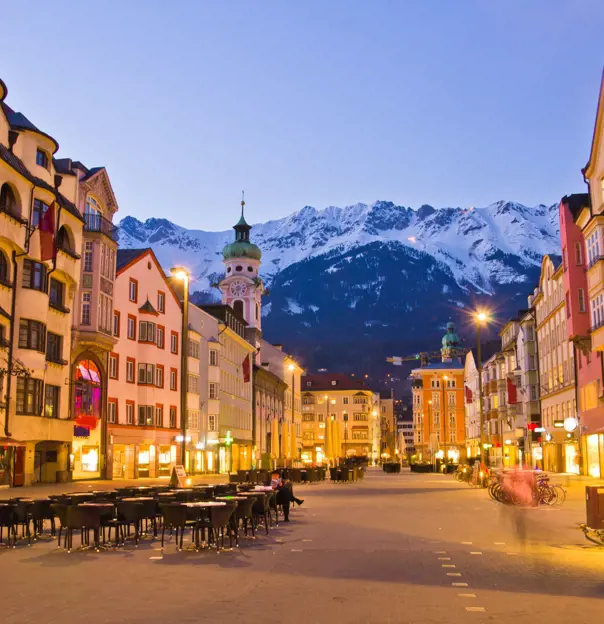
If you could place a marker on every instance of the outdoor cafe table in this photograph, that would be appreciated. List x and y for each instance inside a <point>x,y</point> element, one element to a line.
<point>231,498</point>
<point>205,504</point>
<point>263,488</point>
<point>136,499</point>
<point>93,504</point>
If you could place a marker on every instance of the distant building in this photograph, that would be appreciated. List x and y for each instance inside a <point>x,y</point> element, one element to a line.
<point>388,427</point>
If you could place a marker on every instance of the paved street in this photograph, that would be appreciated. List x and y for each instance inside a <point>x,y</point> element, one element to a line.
<point>395,548</point>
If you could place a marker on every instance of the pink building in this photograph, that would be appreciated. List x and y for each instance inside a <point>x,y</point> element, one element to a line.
<point>574,212</point>
<point>143,414</point>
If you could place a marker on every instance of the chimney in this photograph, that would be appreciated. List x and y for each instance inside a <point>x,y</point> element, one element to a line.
<point>13,135</point>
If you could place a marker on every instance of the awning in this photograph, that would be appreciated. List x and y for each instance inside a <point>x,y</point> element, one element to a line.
<point>10,442</point>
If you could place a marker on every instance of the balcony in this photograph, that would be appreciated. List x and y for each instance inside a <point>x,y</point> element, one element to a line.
<point>595,275</point>
<point>491,386</point>
<point>597,337</point>
<point>98,223</point>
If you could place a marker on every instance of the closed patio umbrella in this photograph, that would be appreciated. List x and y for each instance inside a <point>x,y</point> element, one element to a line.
<point>275,438</point>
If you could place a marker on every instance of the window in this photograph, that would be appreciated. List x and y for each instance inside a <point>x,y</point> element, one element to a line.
<point>213,357</point>
<point>360,435</point>
<point>88,247</point>
<point>451,383</point>
<point>130,364</point>
<point>56,294</point>
<point>578,254</point>
<point>112,411</point>
<point>159,376</point>
<point>159,415</point>
<point>32,335</point>
<point>161,301</point>
<point>116,323</point>
<point>113,365</point>
<point>133,290</point>
<point>436,419</point>
<point>213,390</point>
<point>193,419</point>
<point>212,419</point>
<point>194,349</point>
<point>193,383</point>
<point>105,314</point>
<point>345,400</point>
<point>34,275</point>
<point>146,332</point>
<point>86,300</point>
<point>173,379</point>
<point>174,342</point>
<point>593,248</point>
<point>54,348</point>
<point>131,327</point>
<point>161,333</point>
<point>451,398</point>
<point>146,374</point>
<point>38,211</point>
<point>51,401</point>
<point>145,415</point>
<point>172,417</point>
<point>435,383</point>
<point>129,413</point>
<point>581,293</point>
<point>308,417</point>
<point>360,416</point>
<point>42,158</point>
<point>359,400</point>
<point>29,396</point>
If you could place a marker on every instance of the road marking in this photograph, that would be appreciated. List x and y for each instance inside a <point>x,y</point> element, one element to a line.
<point>448,565</point>
<point>476,552</point>
<point>481,609</point>
<point>440,552</point>
<point>307,540</point>
<point>467,595</point>
<point>511,554</point>
<point>155,558</point>
<point>499,543</point>
<point>453,573</point>
<point>444,558</point>
<point>467,543</point>
<point>297,550</point>
<point>459,584</point>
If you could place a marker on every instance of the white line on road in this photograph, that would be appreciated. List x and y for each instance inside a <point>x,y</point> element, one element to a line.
<point>467,595</point>
<point>307,540</point>
<point>499,543</point>
<point>155,558</point>
<point>481,609</point>
<point>511,554</point>
<point>448,565</point>
<point>444,558</point>
<point>297,550</point>
<point>467,543</point>
<point>476,552</point>
<point>440,552</point>
<point>459,584</point>
<point>453,573</point>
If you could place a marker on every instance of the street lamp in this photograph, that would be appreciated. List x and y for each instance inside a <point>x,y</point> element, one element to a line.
<point>181,274</point>
<point>292,369</point>
<point>480,317</point>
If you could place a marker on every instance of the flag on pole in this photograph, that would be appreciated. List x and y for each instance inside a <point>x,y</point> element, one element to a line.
<point>468,395</point>
<point>512,392</point>
<point>47,233</point>
<point>246,369</point>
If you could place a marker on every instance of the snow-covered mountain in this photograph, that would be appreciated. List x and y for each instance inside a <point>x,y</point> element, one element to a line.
<point>390,274</point>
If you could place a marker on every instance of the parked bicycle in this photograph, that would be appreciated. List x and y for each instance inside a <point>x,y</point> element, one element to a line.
<point>521,487</point>
<point>596,536</point>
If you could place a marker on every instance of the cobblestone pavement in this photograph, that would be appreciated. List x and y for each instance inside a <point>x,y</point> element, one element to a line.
<point>393,549</point>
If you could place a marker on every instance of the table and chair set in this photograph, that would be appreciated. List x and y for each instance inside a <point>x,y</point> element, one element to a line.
<point>209,513</point>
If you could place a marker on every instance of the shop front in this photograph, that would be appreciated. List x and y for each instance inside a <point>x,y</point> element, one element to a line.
<point>136,458</point>
<point>85,456</point>
<point>591,446</point>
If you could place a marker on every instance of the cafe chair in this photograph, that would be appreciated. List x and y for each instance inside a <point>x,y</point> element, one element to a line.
<point>7,521</point>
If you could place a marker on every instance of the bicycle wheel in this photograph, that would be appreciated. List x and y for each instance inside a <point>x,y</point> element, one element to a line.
<point>560,494</point>
<point>547,495</point>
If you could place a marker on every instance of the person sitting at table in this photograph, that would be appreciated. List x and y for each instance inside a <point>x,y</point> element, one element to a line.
<point>285,494</point>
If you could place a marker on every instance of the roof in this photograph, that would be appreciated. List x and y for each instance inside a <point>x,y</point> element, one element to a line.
<point>323,381</point>
<point>17,164</point>
<point>576,202</point>
<point>148,308</point>
<point>18,121</point>
<point>126,256</point>
<point>595,138</point>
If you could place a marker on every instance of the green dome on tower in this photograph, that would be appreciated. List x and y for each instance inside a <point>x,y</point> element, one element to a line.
<point>242,247</point>
<point>451,339</point>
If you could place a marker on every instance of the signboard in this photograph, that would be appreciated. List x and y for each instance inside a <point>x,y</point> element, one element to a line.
<point>179,476</point>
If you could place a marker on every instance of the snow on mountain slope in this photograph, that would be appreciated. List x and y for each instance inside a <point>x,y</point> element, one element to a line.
<point>482,247</point>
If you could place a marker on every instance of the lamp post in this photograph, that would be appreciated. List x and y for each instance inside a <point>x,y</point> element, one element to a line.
<point>292,369</point>
<point>429,419</point>
<point>327,423</point>
<point>181,274</point>
<point>480,317</point>
<point>445,413</point>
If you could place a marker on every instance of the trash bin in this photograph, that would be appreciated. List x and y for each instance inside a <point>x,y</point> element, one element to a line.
<point>594,503</point>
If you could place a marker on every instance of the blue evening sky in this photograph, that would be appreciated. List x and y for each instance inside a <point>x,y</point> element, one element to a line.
<point>326,102</point>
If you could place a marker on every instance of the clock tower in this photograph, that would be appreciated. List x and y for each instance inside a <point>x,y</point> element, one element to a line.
<point>241,286</point>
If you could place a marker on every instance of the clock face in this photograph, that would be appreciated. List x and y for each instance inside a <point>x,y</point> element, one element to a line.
<point>238,288</point>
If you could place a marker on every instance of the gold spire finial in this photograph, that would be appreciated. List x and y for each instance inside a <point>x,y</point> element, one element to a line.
<point>242,201</point>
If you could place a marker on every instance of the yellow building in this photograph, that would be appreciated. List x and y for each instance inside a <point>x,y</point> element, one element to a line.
<point>43,229</point>
<point>351,406</point>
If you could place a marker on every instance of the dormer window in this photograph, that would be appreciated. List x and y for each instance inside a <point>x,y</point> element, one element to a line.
<point>42,158</point>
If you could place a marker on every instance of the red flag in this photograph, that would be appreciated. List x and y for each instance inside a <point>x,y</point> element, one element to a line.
<point>512,392</point>
<point>468,395</point>
<point>47,233</point>
<point>246,369</point>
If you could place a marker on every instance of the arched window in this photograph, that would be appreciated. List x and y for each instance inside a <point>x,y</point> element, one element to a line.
<point>8,201</point>
<point>578,254</point>
<point>64,240</point>
<point>87,400</point>
<point>238,307</point>
<point>4,273</point>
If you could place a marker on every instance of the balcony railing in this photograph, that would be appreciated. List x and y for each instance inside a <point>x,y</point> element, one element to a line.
<point>98,223</point>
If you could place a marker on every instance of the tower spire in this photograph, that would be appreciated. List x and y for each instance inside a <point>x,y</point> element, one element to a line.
<point>242,202</point>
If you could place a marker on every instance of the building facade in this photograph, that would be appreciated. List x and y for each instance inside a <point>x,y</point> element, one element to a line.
<point>556,368</point>
<point>143,405</point>
<point>354,410</point>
